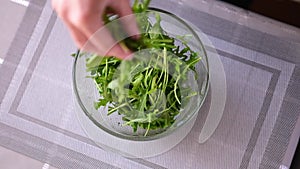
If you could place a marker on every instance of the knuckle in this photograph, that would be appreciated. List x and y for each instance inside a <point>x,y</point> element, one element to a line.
<point>63,13</point>
<point>58,6</point>
<point>80,18</point>
<point>80,42</point>
<point>53,4</point>
<point>61,10</point>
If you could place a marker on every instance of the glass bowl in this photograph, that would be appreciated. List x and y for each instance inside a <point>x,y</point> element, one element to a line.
<point>86,92</point>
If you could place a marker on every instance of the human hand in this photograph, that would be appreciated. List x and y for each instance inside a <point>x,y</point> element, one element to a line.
<point>84,17</point>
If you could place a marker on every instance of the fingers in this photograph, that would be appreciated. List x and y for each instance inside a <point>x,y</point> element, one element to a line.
<point>106,45</point>
<point>84,21</point>
<point>127,18</point>
<point>80,39</point>
<point>100,37</point>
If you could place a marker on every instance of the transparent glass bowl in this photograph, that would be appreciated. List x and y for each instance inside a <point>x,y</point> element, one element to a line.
<point>86,92</point>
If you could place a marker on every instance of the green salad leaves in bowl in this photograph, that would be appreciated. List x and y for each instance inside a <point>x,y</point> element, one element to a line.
<point>157,91</point>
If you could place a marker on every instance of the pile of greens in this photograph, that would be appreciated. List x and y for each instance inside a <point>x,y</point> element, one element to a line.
<point>146,93</point>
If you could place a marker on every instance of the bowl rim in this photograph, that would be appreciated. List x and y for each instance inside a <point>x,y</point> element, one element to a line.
<point>159,135</point>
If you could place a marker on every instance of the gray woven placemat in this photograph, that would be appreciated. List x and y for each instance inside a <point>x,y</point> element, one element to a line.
<point>259,121</point>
